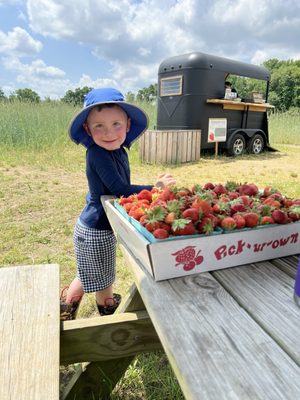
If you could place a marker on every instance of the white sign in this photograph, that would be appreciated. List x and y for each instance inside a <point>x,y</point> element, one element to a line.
<point>217,129</point>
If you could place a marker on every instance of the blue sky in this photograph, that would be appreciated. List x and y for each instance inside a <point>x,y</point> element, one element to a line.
<point>52,46</point>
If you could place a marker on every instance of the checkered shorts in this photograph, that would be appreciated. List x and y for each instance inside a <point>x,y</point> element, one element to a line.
<point>95,252</point>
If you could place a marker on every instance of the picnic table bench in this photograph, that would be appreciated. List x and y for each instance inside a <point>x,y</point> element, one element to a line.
<point>29,332</point>
<point>228,334</point>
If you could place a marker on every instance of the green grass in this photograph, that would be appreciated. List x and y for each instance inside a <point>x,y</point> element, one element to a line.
<point>42,191</point>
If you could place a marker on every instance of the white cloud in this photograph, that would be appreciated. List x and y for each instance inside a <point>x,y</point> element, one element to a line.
<point>136,36</point>
<point>18,42</point>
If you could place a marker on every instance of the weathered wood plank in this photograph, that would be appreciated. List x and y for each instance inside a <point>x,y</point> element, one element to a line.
<point>266,293</point>
<point>99,339</point>
<point>215,347</point>
<point>29,320</point>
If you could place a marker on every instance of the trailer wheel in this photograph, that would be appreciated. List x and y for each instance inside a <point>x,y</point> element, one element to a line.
<point>237,145</point>
<point>256,144</point>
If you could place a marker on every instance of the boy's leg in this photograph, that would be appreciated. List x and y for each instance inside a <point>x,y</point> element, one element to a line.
<point>75,291</point>
<point>105,297</point>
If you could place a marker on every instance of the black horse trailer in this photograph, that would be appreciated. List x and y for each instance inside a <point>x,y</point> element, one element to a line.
<point>191,95</point>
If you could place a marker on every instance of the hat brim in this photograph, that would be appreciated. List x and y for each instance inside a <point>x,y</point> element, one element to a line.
<point>139,123</point>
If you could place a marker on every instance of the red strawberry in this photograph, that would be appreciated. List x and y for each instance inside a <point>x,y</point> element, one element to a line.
<point>228,224</point>
<point>202,205</point>
<point>160,233</point>
<point>280,217</point>
<point>191,213</point>
<point>248,189</point>
<point>152,226</point>
<point>239,220</point>
<point>266,220</point>
<point>268,190</point>
<point>136,213</point>
<point>233,195</point>
<point>246,200</point>
<point>294,213</point>
<point>166,194</point>
<point>220,189</point>
<point>208,186</point>
<point>145,195</point>
<point>237,207</point>
<point>183,227</point>
<point>206,225</point>
<point>251,219</point>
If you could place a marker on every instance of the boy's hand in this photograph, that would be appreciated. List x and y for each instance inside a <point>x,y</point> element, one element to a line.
<point>165,180</point>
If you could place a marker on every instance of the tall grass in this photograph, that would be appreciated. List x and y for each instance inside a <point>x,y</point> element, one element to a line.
<point>284,128</point>
<point>40,126</point>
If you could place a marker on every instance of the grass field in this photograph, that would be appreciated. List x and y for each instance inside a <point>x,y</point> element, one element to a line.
<point>42,191</point>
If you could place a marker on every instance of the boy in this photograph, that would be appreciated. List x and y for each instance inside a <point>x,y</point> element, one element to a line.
<point>105,125</point>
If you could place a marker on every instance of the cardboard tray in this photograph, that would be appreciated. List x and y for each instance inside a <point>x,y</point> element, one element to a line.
<point>186,255</point>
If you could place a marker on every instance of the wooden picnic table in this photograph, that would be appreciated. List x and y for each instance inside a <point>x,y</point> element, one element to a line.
<point>228,334</point>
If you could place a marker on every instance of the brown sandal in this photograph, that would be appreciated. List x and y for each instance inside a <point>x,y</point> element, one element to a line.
<point>68,311</point>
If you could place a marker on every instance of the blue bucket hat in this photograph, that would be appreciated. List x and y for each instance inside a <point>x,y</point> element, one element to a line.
<point>139,119</point>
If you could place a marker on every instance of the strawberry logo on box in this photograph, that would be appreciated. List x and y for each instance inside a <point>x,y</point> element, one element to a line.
<point>187,258</point>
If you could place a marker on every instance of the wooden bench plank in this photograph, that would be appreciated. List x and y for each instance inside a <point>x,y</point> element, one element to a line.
<point>29,320</point>
<point>215,348</point>
<point>266,293</point>
<point>99,339</point>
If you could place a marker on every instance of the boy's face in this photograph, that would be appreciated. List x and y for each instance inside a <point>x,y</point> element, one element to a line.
<point>108,127</point>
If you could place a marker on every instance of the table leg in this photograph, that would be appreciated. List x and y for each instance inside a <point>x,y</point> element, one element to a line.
<point>97,379</point>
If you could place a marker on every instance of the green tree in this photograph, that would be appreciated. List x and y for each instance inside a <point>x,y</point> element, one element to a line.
<point>130,97</point>
<point>147,94</point>
<point>285,83</point>
<point>76,97</point>
<point>26,94</point>
<point>2,95</point>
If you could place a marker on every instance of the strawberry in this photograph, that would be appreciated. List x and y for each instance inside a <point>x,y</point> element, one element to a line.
<point>183,226</point>
<point>206,225</point>
<point>191,213</point>
<point>239,220</point>
<point>280,217</point>
<point>145,195</point>
<point>268,190</point>
<point>294,213</point>
<point>203,205</point>
<point>144,219</point>
<point>152,226</point>
<point>246,200</point>
<point>228,224</point>
<point>251,219</point>
<point>266,220</point>
<point>170,218</point>
<point>270,201</point>
<point>208,186</point>
<point>237,207</point>
<point>166,194</point>
<point>160,233</point>
<point>220,189</point>
<point>248,189</point>
<point>233,195</point>
<point>136,213</point>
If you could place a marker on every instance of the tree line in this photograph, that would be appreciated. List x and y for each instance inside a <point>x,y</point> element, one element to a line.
<point>284,90</point>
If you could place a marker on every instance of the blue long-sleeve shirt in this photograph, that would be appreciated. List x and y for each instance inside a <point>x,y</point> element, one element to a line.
<point>107,172</point>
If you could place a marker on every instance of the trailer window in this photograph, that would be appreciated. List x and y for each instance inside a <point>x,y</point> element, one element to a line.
<point>171,86</point>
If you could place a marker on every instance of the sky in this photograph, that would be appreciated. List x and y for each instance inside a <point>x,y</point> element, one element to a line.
<point>52,46</point>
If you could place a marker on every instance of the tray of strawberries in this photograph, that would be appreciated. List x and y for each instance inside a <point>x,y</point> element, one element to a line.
<point>208,209</point>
